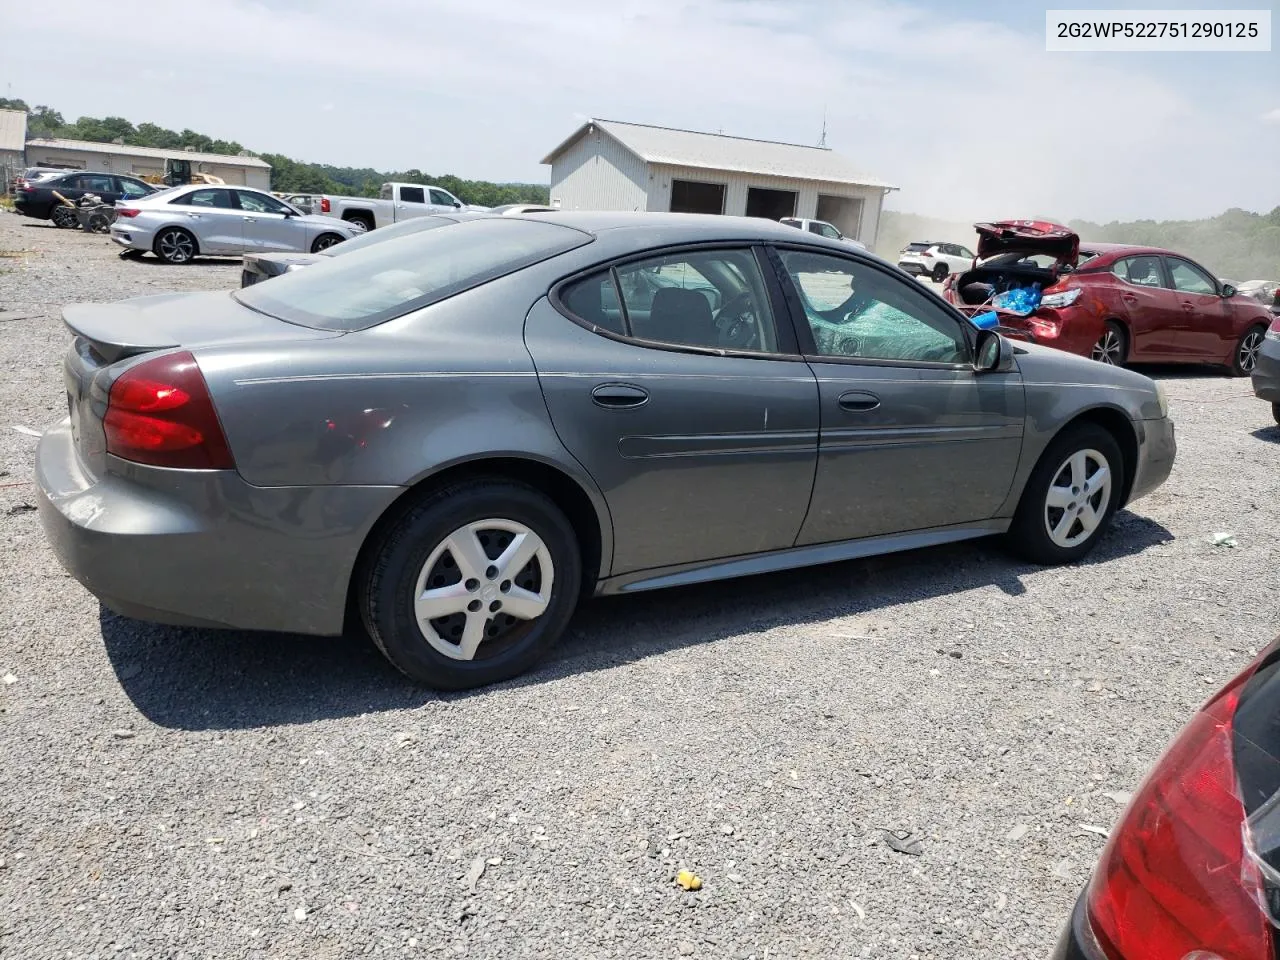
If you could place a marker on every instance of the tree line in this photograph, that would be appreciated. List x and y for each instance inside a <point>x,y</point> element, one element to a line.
<point>287,175</point>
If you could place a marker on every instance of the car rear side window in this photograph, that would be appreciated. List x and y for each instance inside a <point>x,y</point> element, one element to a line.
<point>413,195</point>
<point>216,198</point>
<point>389,280</point>
<point>705,298</point>
<point>1141,271</point>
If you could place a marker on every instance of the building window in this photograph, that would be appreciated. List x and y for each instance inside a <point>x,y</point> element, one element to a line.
<point>692,196</point>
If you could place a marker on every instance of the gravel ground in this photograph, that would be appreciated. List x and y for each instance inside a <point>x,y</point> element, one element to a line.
<point>181,793</point>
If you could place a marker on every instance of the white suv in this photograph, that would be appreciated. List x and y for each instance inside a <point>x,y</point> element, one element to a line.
<point>934,260</point>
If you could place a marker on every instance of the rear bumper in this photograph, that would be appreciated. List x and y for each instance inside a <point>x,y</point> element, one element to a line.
<point>203,547</point>
<point>131,237</point>
<point>914,267</point>
<point>1266,375</point>
<point>1157,449</point>
<point>28,209</point>
<point>1077,941</point>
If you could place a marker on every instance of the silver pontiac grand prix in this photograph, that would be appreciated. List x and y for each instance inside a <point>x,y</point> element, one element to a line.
<point>448,438</point>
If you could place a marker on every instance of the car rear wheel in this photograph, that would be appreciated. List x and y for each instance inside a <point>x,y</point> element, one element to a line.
<point>64,218</point>
<point>472,585</point>
<point>1246,356</point>
<point>324,242</point>
<point>939,273</point>
<point>175,245</point>
<point>361,222</point>
<point>1070,498</point>
<point>1275,412</point>
<point>1113,346</point>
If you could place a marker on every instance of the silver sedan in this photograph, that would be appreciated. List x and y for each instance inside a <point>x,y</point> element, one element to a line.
<point>185,222</point>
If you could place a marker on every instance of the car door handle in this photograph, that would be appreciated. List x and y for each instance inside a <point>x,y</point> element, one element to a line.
<point>193,216</point>
<point>1128,298</point>
<point>250,219</point>
<point>855,401</point>
<point>618,396</point>
<point>1189,307</point>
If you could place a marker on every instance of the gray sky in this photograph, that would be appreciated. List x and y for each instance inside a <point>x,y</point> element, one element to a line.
<point>956,102</point>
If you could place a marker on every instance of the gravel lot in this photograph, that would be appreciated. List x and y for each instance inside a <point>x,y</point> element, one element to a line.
<point>181,793</point>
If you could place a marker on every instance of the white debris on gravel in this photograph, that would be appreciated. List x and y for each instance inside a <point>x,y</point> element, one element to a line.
<point>798,708</point>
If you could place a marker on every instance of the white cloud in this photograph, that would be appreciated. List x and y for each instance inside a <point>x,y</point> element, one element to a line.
<point>969,118</point>
<point>1271,116</point>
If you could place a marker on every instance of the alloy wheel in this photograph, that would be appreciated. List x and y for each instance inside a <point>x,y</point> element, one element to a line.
<point>481,587</point>
<point>176,246</point>
<point>1078,498</point>
<point>324,243</point>
<point>1249,348</point>
<point>63,217</point>
<point>1108,349</point>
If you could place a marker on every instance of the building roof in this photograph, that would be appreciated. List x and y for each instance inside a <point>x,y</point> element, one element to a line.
<point>127,150</point>
<point>13,130</point>
<point>716,151</point>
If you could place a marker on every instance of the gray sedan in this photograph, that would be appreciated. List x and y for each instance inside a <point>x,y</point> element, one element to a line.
<point>185,222</point>
<point>456,435</point>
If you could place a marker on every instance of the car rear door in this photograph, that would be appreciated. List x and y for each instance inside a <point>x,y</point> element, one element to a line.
<point>211,214</point>
<point>269,226</point>
<point>1206,332</point>
<point>411,202</point>
<point>911,437</point>
<point>685,401</point>
<point>1142,289</point>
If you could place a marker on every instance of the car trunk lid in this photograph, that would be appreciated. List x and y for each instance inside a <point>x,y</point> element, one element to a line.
<point>1028,237</point>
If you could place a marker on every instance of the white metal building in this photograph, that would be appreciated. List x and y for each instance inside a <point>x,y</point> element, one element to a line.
<point>13,140</point>
<point>145,161</point>
<point>611,165</point>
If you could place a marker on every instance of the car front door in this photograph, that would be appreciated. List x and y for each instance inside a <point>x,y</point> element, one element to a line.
<point>132,189</point>
<point>1205,333</point>
<point>1149,305</point>
<point>670,381</point>
<point>269,225</point>
<point>211,215</point>
<point>911,437</point>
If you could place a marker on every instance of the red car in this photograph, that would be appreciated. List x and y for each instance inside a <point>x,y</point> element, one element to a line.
<point>1113,302</point>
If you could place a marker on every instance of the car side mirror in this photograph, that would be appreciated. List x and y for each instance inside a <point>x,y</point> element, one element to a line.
<point>1228,291</point>
<point>992,354</point>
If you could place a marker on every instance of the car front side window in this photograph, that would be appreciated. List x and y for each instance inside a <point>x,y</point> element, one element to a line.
<point>1188,278</point>
<point>258,203</point>
<point>855,311</point>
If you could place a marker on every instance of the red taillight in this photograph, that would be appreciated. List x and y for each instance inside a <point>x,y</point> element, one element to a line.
<point>324,204</point>
<point>160,413</point>
<point>127,212</point>
<point>926,253</point>
<point>29,188</point>
<point>1174,880</point>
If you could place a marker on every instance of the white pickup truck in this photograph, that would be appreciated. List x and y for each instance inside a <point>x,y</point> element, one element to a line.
<point>396,202</point>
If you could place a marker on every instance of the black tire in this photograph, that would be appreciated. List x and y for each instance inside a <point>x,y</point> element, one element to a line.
<point>324,242</point>
<point>1113,346</point>
<point>388,585</point>
<point>1245,356</point>
<point>99,223</point>
<point>64,218</point>
<point>360,219</point>
<point>939,273</point>
<point>175,245</point>
<point>1275,412</point>
<point>1029,534</point>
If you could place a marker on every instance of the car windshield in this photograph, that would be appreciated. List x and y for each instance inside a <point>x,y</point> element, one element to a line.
<point>388,280</point>
<point>401,229</point>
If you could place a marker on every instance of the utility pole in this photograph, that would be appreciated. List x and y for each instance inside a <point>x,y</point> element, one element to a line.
<point>823,142</point>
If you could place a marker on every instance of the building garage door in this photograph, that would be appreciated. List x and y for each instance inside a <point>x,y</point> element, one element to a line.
<point>771,204</point>
<point>693,196</point>
<point>844,212</point>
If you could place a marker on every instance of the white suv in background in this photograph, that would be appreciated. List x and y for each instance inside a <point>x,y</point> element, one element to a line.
<point>822,229</point>
<point>935,260</point>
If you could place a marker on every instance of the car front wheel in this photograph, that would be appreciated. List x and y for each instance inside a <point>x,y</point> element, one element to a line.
<point>324,242</point>
<point>1246,356</point>
<point>1070,498</point>
<point>472,585</point>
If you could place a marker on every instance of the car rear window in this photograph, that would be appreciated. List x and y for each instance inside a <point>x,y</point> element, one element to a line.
<point>917,247</point>
<point>388,280</point>
<point>402,229</point>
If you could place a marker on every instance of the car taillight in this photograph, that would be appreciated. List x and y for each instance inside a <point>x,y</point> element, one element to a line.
<point>29,188</point>
<point>926,253</point>
<point>324,204</point>
<point>160,413</point>
<point>127,212</point>
<point>1273,331</point>
<point>1175,881</point>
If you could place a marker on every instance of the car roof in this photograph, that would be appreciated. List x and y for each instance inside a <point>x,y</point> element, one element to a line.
<point>1102,249</point>
<point>664,228</point>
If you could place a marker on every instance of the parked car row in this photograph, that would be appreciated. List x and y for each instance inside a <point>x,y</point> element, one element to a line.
<point>35,196</point>
<point>395,202</point>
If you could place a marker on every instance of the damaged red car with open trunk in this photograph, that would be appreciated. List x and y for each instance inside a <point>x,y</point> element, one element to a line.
<point>1113,302</point>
